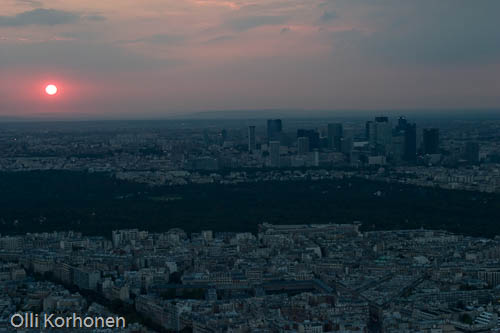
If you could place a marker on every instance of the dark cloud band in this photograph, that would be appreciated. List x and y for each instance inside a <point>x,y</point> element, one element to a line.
<point>41,16</point>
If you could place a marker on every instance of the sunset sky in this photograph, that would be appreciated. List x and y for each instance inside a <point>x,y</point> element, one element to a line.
<point>148,58</point>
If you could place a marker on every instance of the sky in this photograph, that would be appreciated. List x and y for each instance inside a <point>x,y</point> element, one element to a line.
<point>154,58</point>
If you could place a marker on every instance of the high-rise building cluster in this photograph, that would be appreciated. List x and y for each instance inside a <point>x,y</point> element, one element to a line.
<point>380,144</point>
<point>457,154</point>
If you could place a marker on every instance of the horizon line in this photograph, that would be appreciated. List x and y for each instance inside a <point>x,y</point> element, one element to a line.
<point>235,114</point>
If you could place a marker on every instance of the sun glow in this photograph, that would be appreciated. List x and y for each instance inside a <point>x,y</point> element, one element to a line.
<point>51,89</point>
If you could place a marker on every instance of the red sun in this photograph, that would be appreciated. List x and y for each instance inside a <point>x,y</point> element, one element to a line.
<point>51,89</point>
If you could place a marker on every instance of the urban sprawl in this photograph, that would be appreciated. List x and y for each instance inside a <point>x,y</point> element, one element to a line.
<point>461,155</point>
<point>285,278</point>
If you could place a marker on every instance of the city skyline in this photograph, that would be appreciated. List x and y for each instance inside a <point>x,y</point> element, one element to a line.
<point>159,58</point>
<point>292,166</point>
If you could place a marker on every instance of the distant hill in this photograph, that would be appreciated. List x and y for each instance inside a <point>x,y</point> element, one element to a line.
<point>240,114</point>
<point>336,114</point>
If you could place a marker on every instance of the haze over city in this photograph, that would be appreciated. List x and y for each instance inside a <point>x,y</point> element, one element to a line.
<point>244,166</point>
<point>156,58</point>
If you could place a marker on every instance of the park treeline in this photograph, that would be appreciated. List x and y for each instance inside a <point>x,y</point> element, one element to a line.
<point>96,203</point>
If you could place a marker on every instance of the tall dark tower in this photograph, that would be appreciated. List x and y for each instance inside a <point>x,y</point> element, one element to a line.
<point>252,146</point>
<point>431,140</point>
<point>274,129</point>
<point>402,123</point>
<point>368,129</point>
<point>313,136</point>
<point>335,134</point>
<point>410,142</point>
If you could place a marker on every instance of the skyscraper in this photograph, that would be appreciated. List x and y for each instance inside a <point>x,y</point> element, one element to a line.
<point>251,139</point>
<point>302,145</point>
<point>346,145</point>
<point>398,146</point>
<point>274,153</point>
<point>335,134</point>
<point>431,140</point>
<point>410,142</point>
<point>313,136</point>
<point>274,128</point>
<point>383,130</point>
<point>346,142</point>
<point>369,130</point>
<point>402,123</point>
<point>379,134</point>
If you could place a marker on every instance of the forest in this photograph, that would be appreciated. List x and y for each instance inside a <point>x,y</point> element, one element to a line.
<point>97,203</point>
